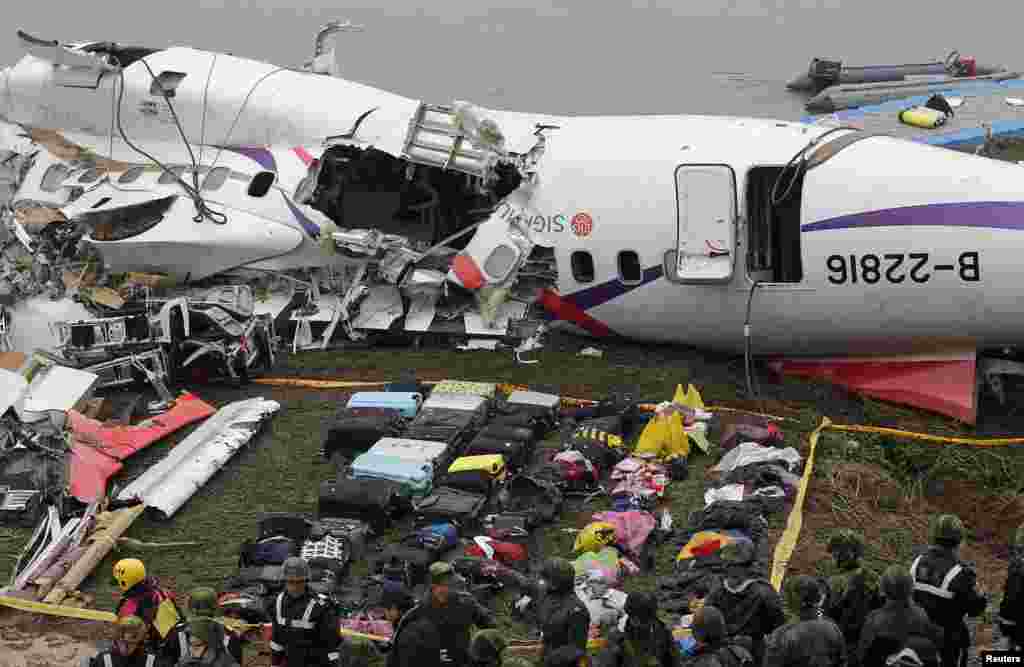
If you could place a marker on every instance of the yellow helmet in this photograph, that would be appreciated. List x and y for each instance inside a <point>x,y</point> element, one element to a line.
<point>128,572</point>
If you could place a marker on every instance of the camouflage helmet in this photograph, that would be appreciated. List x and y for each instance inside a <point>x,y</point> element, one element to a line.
<point>1018,537</point>
<point>203,602</point>
<point>803,592</point>
<point>947,529</point>
<point>847,540</point>
<point>897,583</point>
<point>559,573</point>
<point>708,625</point>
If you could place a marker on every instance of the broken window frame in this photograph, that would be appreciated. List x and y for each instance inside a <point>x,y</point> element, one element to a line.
<point>126,222</point>
<point>47,176</point>
<point>166,83</point>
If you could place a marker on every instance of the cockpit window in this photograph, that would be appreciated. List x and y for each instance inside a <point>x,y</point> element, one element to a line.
<point>121,223</point>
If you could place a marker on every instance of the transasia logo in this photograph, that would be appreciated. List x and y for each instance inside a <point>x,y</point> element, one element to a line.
<point>581,224</point>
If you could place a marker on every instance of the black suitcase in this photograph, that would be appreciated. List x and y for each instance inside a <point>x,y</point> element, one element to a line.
<point>508,432</point>
<point>355,430</point>
<point>295,526</point>
<point>516,453</point>
<point>474,481</point>
<point>442,425</point>
<point>448,504</point>
<point>374,501</point>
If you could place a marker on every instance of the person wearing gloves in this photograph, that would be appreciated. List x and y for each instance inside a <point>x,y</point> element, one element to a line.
<point>564,619</point>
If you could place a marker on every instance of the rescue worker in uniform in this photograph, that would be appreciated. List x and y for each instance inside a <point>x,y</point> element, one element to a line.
<point>564,619</point>
<point>888,629</point>
<point>812,640</point>
<point>487,650</point>
<point>454,613</point>
<point>305,626</point>
<point>129,649</point>
<point>202,603</point>
<point>713,649</point>
<point>644,641</point>
<point>206,645</point>
<point>1011,609</point>
<point>751,606</point>
<point>143,597</point>
<point>946,588</point>
<point>853,592</point>
<point>415,641</point>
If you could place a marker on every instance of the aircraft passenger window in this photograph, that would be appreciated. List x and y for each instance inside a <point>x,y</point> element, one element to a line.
<point>501,262</point>
<point>166,83</point>
<point>260,184</point>
<point>216,178</point>
<point>582,266</point>
<point>89,176</point>
<point>53,177</point>
<point>629,267</point>
<point>131,175</point>
<point>171,175</point>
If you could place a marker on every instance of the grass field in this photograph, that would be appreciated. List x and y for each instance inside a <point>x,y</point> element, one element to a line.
<point>280,471</point>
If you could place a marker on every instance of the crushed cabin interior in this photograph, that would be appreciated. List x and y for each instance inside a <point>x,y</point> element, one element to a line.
<point>773,215</point>
<point>368,188</point>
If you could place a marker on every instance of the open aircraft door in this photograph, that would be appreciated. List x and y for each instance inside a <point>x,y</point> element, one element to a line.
<point>707,209</point>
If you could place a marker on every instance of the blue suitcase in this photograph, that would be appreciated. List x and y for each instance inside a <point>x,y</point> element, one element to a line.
<point>416,477</point>
<point>407,402</point>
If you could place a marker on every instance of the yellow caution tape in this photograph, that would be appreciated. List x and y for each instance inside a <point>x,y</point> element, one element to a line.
<point>57,610</point>
<point>926,437</point>
<point>787,543</point>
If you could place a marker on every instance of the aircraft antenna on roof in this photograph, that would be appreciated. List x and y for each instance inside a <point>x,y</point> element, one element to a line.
<point>325,62</point>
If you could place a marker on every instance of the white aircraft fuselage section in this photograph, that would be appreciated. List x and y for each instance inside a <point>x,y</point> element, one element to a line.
<point>886,246</point>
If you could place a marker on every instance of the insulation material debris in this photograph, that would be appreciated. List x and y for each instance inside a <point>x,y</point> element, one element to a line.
<point>170,483</point>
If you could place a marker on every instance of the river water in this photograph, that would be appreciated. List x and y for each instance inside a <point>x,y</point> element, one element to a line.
<point>576,56</point>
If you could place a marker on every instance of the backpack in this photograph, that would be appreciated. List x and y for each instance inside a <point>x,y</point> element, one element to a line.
<point>539,500</point>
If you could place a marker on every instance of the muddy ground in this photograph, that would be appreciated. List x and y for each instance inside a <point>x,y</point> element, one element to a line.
<point>841,494</point>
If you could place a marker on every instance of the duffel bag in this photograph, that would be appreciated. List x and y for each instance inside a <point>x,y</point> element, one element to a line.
<point>514,452</point>
<point>474,481</point>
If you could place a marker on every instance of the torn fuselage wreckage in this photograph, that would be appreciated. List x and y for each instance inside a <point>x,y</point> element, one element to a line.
<point>168,259</point>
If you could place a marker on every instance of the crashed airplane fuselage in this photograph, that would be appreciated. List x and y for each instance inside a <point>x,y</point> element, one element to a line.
<point>711,231</point>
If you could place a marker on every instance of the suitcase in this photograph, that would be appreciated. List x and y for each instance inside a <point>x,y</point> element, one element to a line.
<point>487,390</point>
<point>295,526</point>
<point>474,481</point>
<point>543,406</point>
<point>451,505</point>
<point>371,500</point>
<point>453,427</point>
<point>412,449</point>
<point>477,405</point>
<point>407,402</point>
<point>355,430</point>
<point>514,452</point>
<point>493,464</point>
<point>354,531</point>
<point>506,432</point>
<point>406,562</point>
<point>416,477</point>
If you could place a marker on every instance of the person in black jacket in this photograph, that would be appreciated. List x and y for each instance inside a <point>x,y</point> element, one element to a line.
<point>454,613</point>
<point>751,606</point>
<point>644,642</point>
<point>564,619</point>
<point>946,588</point>
<point>713,648</point>
<point>1011,608</point>
<point>812,640</point>
<point>305,625</point>
<point>889,629</point>
<point>416,641</point>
